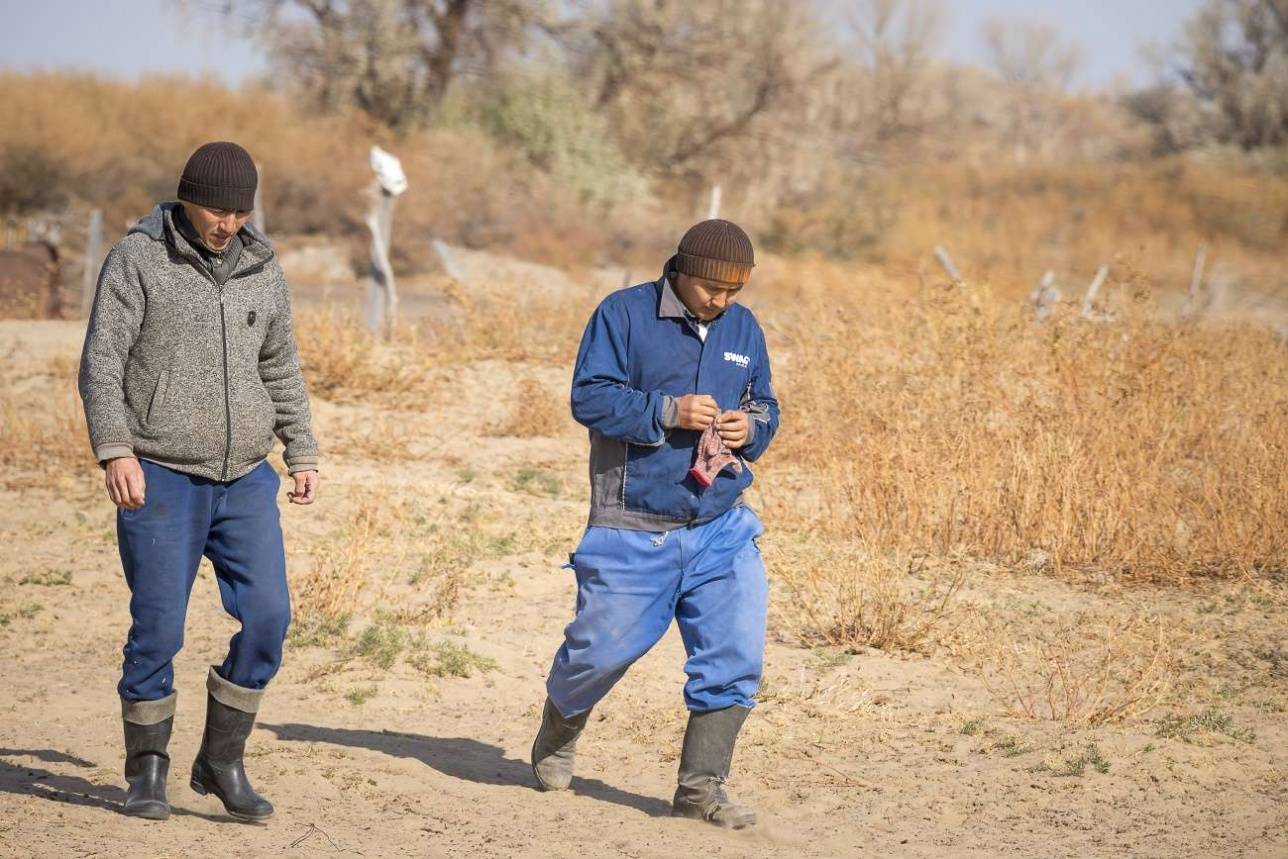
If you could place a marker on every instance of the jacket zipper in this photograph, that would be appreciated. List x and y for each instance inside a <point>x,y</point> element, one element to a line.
<point>223,336</point>
<point>228,408</point>
<point>223,332</point>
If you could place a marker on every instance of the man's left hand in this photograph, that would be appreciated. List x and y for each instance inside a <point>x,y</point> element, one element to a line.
<point>733,427</point>
<point>306,487</point>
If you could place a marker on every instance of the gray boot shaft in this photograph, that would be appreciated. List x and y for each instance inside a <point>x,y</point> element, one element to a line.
<point>554,751</point>
<point>146,766</point>
<point>704,766</point>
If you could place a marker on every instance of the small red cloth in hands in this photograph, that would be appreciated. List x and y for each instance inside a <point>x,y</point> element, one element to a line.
<point>711,456</point>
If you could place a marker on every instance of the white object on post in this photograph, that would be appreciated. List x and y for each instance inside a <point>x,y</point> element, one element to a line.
<point>382,291</point>
<point>389,171</point>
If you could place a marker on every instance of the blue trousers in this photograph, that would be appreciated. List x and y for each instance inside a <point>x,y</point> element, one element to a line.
<point>237,526</point>
<point>631,584</point>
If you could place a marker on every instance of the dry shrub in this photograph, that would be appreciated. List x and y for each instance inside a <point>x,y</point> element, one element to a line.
<point>947,421</point>
<point>42,428</point>
<point>378,437</point>
<point>1082,669</point>
<point>120,146</point>
<point>536,327</point>
<point>1006,224</point>
<point>343,361</point>
<point>844,595</point>
<point>450,547</point>
<point>813,694</point>
<point>329,591</point>
<point>534,412</point>
<point>439,580</point>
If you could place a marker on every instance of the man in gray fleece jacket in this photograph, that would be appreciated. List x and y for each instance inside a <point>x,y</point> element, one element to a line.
<point>189,370</point>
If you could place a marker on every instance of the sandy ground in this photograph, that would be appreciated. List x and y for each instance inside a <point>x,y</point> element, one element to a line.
<point>848,754</point>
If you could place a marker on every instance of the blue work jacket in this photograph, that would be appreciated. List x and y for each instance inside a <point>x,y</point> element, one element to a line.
<point>640,353</point>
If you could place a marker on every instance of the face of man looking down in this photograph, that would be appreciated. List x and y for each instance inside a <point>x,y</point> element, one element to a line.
<point>215,227</point>
<point>706,299</point>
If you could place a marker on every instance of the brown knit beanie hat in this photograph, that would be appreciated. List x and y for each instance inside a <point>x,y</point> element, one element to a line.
<point>716,250</point>
<point>221,176</point>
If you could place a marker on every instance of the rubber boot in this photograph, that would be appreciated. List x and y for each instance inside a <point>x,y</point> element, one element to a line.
<point>146,768</point>
<point>218,768</point>
<point>704,766</point>
<point>555,749</point>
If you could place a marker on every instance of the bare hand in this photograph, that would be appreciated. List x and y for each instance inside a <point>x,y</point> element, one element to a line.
<point>696,411</point>
<point>306,487</point>
<point>734,427</point>
<point>126,485</point>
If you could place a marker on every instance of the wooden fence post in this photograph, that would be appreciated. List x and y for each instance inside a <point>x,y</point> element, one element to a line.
<point>1089,300</point>
<point>257,215</point>
<point>1196,279</point>
<point>93,258</point>
<point>1045,296</point>
<point>382,291</point>
<point>447,261</point>
<point>946,263</point>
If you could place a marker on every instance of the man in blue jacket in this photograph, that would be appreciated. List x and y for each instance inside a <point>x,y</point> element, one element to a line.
<point>659,364</point>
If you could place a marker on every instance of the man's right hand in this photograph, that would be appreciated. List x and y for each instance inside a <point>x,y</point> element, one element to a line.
<point>696,411</point>
<point>125,483</point>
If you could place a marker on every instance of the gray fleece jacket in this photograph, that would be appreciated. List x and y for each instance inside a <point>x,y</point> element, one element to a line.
<point>188,374</point>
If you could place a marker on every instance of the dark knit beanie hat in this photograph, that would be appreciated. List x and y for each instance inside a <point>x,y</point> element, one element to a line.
<point>220,176</point>
<point>716,250</point>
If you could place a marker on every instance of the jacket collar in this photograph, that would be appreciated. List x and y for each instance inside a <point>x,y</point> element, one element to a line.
<point>159,225</point>
<point>669,305</point>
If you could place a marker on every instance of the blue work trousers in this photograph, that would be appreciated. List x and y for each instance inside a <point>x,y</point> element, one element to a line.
<point>237,526</point>
<point>631,584</point>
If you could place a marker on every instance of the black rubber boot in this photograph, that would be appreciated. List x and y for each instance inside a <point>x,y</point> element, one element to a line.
<point>555,749</point>
<point>704,766</point>
<point>218,768</point>
<point>146,767</point>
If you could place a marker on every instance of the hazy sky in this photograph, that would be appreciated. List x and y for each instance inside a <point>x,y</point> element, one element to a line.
<point>131,37</point>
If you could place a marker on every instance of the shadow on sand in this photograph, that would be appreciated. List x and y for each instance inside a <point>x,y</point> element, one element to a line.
<point>462,758</point>
<point>18,778</point>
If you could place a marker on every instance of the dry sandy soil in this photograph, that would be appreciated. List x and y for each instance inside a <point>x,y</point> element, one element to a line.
<point>848,753</point>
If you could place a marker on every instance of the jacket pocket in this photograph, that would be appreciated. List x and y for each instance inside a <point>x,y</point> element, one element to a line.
<point>156,408</point>
<point>254,418</point>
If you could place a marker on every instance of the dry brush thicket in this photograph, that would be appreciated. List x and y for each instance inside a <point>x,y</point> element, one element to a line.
<point>946,421</point>
<point>929,431</point>
<point>92,142</point>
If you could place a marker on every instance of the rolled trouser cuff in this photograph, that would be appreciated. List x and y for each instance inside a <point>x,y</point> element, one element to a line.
<point>148,712</point>
<point>232,695</point>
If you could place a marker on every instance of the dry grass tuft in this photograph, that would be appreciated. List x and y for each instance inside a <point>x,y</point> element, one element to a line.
<point>847,596</point>
<point>1081,669</point>
<point>343,361</point>
<point>42,426</point>
<point>533,327</point>
<point>378,437</point>
<point>326,597</point>
<point>534,412</point>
